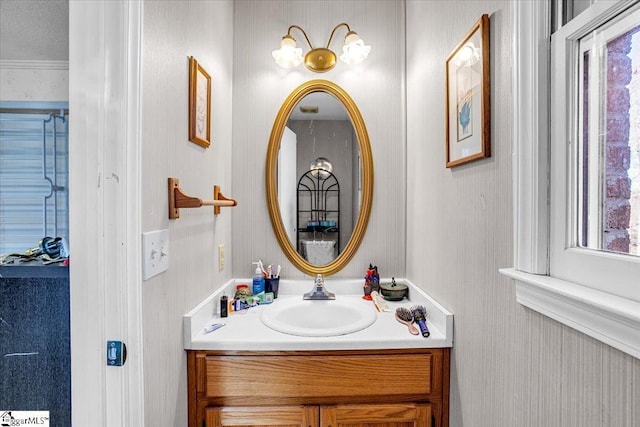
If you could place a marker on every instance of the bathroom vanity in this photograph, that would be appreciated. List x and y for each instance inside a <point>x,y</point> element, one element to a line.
<point>248,374</point>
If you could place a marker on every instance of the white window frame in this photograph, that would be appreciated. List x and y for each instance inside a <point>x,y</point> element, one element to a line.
<point>576,287</point>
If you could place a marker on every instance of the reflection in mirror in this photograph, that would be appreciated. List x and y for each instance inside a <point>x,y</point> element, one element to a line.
<point>319,177</point>
<point>320,212</point>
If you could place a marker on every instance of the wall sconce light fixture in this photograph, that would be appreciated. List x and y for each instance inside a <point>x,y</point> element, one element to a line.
<point>320,59</point>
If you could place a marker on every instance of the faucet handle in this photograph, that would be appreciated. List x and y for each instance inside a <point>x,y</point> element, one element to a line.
<point>319,292</point>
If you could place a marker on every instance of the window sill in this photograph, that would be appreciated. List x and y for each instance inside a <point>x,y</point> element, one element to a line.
<point>605,317</point>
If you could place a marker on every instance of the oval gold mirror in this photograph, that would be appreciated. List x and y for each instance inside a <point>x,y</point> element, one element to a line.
<point>321,198</point>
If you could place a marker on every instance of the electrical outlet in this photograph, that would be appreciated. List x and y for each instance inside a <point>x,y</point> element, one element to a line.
<point>155,253</point>
<point>220,257</point>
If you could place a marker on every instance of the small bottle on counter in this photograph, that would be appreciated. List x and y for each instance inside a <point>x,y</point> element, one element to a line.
<point>224,306</point>
<point>258,280</point>
<point>243,291</point>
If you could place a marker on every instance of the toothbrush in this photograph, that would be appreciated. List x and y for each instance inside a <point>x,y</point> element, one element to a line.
<point>212,327</point>
<point>403,315</point>
<point>420,316</point>
<point>261,265</point>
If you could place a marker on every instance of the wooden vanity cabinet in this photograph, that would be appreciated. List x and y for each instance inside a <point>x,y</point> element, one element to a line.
<point>385,388</point>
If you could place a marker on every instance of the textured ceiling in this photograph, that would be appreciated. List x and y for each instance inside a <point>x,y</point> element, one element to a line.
<point>34,30</point>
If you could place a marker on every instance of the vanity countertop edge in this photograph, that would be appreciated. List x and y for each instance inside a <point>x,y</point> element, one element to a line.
<point>244,331</point>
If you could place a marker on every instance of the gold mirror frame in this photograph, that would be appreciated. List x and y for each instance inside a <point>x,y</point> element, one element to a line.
<point>272,175</point>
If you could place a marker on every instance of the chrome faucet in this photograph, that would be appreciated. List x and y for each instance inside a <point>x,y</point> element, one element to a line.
<point>319,292</point>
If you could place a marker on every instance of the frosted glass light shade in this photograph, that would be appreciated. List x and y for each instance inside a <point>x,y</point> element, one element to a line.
<point>288,56</point>
<point>354,50</point>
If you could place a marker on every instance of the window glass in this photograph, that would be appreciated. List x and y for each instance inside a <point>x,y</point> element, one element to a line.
<point>608,193</point>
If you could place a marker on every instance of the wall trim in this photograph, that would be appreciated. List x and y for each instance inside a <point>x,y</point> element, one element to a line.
<point>605,317</point>
<point>530,132</point>
<point>105,211</point>
<point>132,284</point>
<point>11,64</point>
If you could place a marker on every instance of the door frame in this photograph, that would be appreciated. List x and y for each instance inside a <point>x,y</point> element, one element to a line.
<point>105,46</point>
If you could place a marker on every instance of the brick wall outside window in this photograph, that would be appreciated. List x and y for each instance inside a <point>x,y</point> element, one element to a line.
<point>617,209</point>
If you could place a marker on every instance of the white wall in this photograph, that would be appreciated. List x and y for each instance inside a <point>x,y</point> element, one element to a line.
<point>510,366</point>
<point>260,87</point>
<point>172,32</point>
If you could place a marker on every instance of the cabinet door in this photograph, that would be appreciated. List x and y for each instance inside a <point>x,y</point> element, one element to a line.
<point>276,416</point>
<point>378,415</point>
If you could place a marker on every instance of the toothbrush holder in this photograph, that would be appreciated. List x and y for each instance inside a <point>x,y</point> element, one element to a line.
<point>272,285</point>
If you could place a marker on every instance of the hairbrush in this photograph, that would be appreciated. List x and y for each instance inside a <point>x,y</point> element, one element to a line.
<point>420,316</point>
<point>403,315</point>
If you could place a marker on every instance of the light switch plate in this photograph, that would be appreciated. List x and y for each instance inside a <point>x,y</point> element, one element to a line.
<point>155,253</point>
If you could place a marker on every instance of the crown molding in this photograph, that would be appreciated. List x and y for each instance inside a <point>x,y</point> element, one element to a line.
<point>13,64</point>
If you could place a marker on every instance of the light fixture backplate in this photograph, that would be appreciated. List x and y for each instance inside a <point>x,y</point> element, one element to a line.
<point>320,60</point>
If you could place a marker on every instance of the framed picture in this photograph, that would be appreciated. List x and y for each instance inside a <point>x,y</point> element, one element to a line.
<point>199,104</point>
<point>468,121</point>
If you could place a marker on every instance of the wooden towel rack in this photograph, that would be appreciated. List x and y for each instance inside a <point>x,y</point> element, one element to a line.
<point>177,200</point>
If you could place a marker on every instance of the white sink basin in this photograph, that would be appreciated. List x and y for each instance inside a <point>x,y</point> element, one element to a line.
<point>341,316</point>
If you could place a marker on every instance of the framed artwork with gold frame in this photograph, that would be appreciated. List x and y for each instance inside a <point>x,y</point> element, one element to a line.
<point>468,122</point>
<point>199,104</point>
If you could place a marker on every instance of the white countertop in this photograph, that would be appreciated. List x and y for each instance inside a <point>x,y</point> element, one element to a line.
<point>244,331</point>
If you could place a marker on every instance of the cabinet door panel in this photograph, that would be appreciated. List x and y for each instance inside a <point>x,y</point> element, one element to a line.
<point>378,415</point>
<point>285,416</point>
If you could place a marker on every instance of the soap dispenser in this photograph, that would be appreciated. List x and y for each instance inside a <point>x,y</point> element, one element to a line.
<point>258,280</point>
